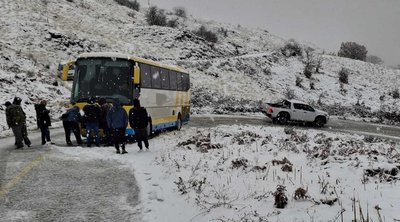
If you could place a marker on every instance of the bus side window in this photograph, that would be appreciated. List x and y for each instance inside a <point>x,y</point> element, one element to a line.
<point>185,81</point>
<point>179,81</point>
<point>172,80</point>
<point>155,77</point>
<point>164,79</point>
<point>145,77</point>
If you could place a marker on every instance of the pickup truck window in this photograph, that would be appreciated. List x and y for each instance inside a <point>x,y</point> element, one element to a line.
<point>298,106</point>
<point>308,108</point>
<point>286,104</point>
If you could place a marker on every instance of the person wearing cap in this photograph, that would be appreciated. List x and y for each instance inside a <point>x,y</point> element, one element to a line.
<point>91,119</point>
<point>16,120</point>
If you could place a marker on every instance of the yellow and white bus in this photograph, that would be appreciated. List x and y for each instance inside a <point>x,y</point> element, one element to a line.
<point>162,89</point>
<point>66,70</point>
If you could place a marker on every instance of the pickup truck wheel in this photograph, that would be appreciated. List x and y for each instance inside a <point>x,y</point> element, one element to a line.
<point>283,118</point>
<point>319,122</point>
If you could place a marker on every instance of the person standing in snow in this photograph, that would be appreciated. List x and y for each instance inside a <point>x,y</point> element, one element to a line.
<point>139,120</point>
<point>105,108</point>
<point>43,120</point>
<point>7,104</point>
<point>71,121</point>
<point>91,118</point>
<point>117,120</point>
<point>16,120</point>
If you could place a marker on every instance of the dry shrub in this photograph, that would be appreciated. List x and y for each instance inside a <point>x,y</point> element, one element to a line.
<point>300,193</point>
<point>281,162</point>
<point>201,142</point>
<point>245,137</point>
<point>287,168</point>
<point>280,197</point>
<point>237,163</point>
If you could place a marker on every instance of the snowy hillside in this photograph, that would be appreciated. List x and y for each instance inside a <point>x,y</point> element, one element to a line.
<point>239,73</point>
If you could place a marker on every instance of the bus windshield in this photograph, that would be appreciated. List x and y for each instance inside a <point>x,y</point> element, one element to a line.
<point>103,77</point>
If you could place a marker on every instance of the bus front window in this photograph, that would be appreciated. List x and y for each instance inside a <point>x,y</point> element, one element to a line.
<point>103,77</point>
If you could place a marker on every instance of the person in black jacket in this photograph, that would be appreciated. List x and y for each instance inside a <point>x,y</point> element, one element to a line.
<point>16,120</point>
<point>43,120</point>
<point>139,120</point>
<point>105,108</point>
<point>117,120</point>
<point>91,118</point>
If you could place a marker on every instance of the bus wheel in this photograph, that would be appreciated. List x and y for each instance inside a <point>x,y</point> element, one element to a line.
<point>179,123</point>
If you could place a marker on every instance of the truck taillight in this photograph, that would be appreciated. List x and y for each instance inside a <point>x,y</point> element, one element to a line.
<point>269,110</point>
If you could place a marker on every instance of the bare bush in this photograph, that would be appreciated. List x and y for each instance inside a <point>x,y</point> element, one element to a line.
<point>312,85</point>
<point>291,48</point>
<point>202,143</point>
<point>353,50</point>
<point>308,70</point>
<point>299,80</point>
<point>238,163</point>
<point>344,75</point>
<point>318,63</point>
<point>309,62</point>
<point>245,137</point>
<point>180,11</point>
<point>395,94</point>
<point>156,16</point>
<point>127,3</point>
<point>280,197</point>
<point>206,34</point>
<point>374,59</point>
<point>300,193</point>
<point>172,23</point>
<point>289,93</point>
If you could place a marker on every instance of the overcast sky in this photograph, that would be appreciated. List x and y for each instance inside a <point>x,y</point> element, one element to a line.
<point>326,23</point>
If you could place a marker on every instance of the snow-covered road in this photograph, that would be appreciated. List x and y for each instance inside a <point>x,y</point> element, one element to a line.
<point>54,182</point>
<point>41,184</point>
<point>334,125</point>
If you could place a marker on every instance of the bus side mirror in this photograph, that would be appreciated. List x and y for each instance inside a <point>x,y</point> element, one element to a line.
<point>136,75</point>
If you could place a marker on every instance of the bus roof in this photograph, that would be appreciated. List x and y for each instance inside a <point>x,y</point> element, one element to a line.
<point>68,62</point>
<point>128,57</point>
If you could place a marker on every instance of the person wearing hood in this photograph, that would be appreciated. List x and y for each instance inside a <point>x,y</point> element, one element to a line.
<point>71,121</point>
<point>139,120</point>
<point>105,108</point>
<point>92,118</point>
<point>117,121</point>
<point>16,120</point>
<point>43,120</point>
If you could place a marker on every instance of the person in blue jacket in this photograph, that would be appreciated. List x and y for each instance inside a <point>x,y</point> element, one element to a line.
<point>71,120</point>
<point>117,121</point>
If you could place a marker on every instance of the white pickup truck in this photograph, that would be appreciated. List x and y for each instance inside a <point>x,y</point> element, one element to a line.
<point>292,110</point>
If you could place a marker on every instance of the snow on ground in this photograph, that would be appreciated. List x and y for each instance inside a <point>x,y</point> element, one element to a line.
<point>242,70</point>
<point>231,173</point>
